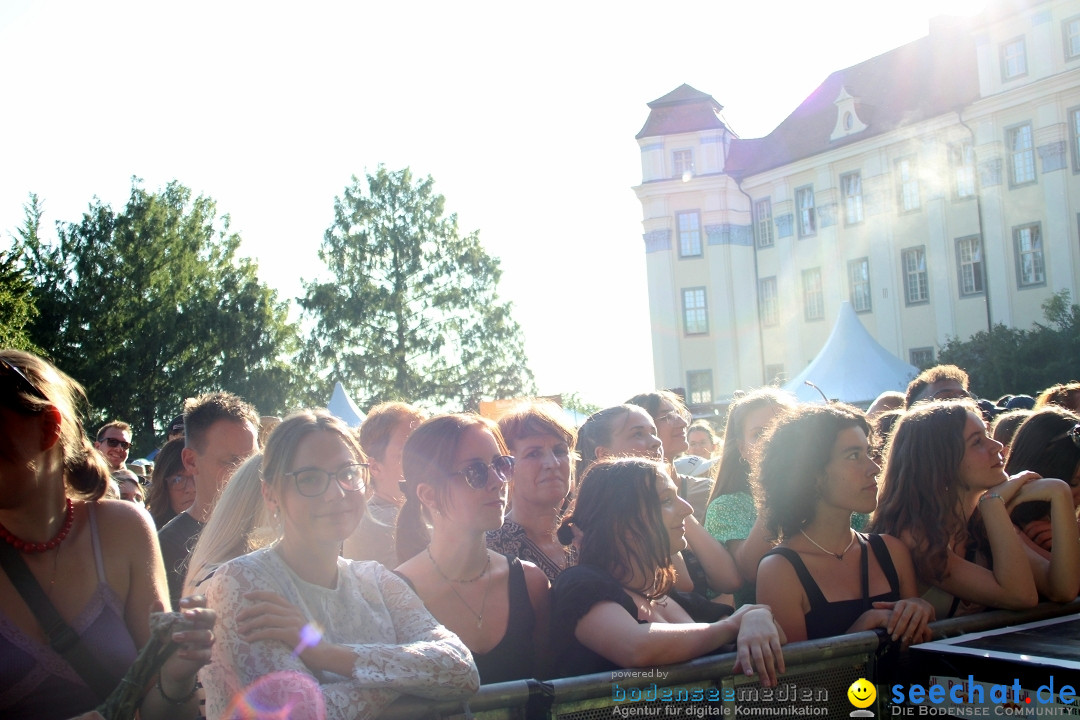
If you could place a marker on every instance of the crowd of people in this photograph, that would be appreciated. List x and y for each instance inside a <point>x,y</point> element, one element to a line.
<point>330,570</point>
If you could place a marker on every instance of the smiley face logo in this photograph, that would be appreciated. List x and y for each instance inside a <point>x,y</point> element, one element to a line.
<point>862,693</point>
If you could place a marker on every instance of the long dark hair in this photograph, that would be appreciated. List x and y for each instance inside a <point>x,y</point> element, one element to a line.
<point>618,512</point>
<point>1043,444</point>
<point>921,491</point>
<point>168,463</point>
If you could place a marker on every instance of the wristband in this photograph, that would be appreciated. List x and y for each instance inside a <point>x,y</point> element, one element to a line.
<point>174,701</point>
<point>989,495</point>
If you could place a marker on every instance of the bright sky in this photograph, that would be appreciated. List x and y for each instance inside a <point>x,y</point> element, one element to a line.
<point>524,114</point>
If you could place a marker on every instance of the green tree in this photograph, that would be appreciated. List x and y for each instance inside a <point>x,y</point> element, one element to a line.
<point>150,305</point>
<point>412,311</point>
<point>1009,360</point>
<point>17,308</point>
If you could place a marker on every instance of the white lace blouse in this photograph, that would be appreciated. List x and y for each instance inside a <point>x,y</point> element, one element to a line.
<point>400,648</point>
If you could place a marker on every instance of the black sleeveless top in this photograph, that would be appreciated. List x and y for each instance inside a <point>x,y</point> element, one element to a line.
<point>826,619</point>
<point>512,658</point>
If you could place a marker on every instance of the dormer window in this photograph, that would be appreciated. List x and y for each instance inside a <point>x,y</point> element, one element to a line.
<point>847,117</point>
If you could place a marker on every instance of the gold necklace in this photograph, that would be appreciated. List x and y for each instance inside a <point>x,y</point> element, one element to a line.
<point>487,586</point>
<point>838,556</point>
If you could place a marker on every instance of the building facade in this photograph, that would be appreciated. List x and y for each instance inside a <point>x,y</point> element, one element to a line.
<point>935,187</point>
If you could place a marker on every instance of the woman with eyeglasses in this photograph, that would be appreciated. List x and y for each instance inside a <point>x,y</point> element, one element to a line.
<point>1047,443</point>
<point>305,629</point>
<point>457,470</point>
<point>95,562</point>
<point>941,469</point>
<point>171,491</point>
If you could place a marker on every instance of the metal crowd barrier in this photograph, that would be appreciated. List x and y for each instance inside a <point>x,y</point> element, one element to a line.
<point>819,673</point>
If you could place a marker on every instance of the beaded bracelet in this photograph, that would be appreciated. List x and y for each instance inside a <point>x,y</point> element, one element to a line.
<point>182,701</point>
<point>990,495</point>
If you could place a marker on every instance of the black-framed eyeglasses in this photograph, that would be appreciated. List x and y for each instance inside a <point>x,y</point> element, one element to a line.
<point>313,482</point>
<point>21,381</point>
<point>116,442</point>
<point>476,473</point>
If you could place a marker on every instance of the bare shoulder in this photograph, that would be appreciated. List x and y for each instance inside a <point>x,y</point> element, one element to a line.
<point>535,579</point>
<point>121,522</point>
<point>775,566</point>
<point>895,545</point>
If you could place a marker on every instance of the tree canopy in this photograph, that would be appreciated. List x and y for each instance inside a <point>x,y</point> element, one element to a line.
<point>151,304</point>
<point>1009,360</point>
<point>412,310</point>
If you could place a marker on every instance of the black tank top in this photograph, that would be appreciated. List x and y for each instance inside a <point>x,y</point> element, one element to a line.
<point>826,619</point>
<point>512,658</point>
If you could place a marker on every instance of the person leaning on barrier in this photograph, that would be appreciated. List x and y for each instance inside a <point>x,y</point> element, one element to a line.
<point>616,608</point>
<point>941,469</point>
<point>814,470</point>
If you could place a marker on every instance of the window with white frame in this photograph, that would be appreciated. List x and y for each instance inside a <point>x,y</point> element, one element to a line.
<point>682,163</point>
<point>689,225</point>
<point>807,218</point>
<point>813,295</point>
<point>1030,267</point>
<point>916,280</point>
<point>859,282</point>
<point>1021,154</point>
<point>1070,35</point>
<point>699,387</point>
<point>851,185</point>
<point>768,302</point>
<point>962,162</point>
<point>1013,59</point>
<point>921,357</point>
<point>763,222</point>
<point>969,265</point>
<point>1074,136</point>
<point>907,183</point>
<point>695,312</point>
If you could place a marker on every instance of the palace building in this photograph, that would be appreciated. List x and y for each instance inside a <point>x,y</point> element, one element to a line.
<point>935,187</point>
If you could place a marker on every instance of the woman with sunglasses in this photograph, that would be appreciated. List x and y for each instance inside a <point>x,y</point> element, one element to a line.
<point>303,628</point>
<point>96,562</point>
<point>457,469</point>
<point>1047,443</point>
<point>171,491</point>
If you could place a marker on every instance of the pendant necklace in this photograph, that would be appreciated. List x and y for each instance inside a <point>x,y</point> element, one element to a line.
<point>487,586</point>
<point>838,556</point>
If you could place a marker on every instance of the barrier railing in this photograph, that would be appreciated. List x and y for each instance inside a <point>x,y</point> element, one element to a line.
<point>819,673</point>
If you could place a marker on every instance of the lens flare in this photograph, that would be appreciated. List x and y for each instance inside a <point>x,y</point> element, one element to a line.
<point>283,695</point>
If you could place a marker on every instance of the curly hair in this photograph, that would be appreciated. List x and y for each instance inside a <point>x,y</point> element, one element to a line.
<point>1063,394</point>
<point>733,473</point>
<point>930,376</point>
<point>791,463</point>
<point>618,512</point>
<point>921,487</point>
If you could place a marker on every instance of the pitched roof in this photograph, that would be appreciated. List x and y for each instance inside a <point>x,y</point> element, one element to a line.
<point>684,109</point>
<point>928,77</point>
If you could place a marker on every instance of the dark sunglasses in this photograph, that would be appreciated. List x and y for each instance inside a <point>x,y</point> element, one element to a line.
<point>476,474</point>
<point>21,381</point>
<point>116,442</point>
<point>1073,434</point>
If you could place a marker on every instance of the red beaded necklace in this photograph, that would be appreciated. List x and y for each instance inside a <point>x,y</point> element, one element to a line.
<point>32,547</point>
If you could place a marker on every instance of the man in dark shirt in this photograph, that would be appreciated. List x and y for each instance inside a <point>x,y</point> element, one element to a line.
<point>219,434</point>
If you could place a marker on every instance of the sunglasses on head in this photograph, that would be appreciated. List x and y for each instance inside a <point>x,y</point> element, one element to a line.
<point>116,442</point>
<point>22,382</point>
<point>1073,434</point>
<point>476,473</point>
